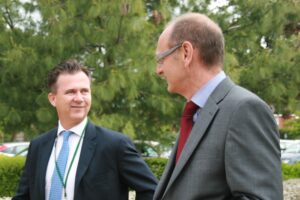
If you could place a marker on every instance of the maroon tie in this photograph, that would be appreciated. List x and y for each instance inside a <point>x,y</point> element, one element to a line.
<point>186,125</point>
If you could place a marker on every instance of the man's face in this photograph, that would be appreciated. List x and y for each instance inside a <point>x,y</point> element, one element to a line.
<point>72,98</point>
<point>170,66</point>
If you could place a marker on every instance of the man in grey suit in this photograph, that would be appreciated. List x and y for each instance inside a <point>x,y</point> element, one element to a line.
<point>232,150</point>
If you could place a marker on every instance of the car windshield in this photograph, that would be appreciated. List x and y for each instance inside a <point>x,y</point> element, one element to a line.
<point>15,149</point>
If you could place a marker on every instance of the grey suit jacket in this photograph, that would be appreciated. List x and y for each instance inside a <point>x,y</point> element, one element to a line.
<point>232,152</point>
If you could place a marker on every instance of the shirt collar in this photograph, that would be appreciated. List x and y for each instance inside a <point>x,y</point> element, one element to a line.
<point>78,129</point>
<point>201,96</point>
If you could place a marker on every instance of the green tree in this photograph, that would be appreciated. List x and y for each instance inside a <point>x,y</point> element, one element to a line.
<point>267,53</point>
<point>116,41</point>
<point>262,46</point>
<point>20,82</point>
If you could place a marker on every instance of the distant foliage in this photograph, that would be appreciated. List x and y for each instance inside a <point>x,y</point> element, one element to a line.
<point>291,129</point>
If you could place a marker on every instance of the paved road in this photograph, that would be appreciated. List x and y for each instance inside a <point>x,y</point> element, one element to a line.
<point>291,189</point>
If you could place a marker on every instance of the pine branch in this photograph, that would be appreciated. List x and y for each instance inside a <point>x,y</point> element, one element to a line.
<point>124,11</point>
<point>119,30</point>
<point>7,18</point>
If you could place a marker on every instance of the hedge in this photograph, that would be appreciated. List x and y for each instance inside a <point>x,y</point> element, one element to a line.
<point>157,165</point>
<point>11,167</point>
<point>10,171</point>
<point>290,171</point>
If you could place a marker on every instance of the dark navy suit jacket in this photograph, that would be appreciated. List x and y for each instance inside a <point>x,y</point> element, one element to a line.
<point>108,165</point>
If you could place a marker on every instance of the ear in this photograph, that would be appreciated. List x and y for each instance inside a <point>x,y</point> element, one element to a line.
<point>52,99</point>
<point>188,52</point>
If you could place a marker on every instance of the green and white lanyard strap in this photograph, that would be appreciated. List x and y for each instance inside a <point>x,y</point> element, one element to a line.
<point>64,183</point>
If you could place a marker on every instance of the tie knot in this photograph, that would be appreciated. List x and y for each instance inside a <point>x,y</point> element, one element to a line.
<point>190,109</point>
<point>66,135</point>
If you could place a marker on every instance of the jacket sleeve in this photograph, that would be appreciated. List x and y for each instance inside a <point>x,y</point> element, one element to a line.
<point>252,153</point>
<point>135,172</point>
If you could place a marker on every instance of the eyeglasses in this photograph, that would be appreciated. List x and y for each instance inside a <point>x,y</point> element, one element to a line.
<point>162,55</point>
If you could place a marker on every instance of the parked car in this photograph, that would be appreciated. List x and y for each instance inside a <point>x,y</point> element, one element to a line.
<point>152,149</point>
<point>145,148</point>
<point>14,148</point>
<point>166,153</point>
<point>291,154</point>
<point>284,144</point>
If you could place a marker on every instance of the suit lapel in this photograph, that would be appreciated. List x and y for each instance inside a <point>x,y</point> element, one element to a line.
<point>195,137</point>
<point>44,155</point>
<point>207,115</point>
<point>87,152</point>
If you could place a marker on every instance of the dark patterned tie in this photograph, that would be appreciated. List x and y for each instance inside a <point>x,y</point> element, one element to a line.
<point>186,125</point>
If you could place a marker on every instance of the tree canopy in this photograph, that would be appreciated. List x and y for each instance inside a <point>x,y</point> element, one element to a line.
<point>117,40</point>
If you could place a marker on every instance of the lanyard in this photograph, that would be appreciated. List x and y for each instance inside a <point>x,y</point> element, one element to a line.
<point>64,183</point>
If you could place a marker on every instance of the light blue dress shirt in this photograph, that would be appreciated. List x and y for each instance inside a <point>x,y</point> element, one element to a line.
<point>201,96</point>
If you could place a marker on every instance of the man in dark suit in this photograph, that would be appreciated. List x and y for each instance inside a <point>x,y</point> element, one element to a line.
<point>228,147</point>
<point>78,160</point>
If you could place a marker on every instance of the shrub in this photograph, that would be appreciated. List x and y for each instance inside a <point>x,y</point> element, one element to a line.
<point>290,171</point>
<point>157,165</point>
<point>10,171</point>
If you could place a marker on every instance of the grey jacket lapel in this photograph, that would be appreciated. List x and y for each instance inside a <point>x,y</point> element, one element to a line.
<point>87,152</point>
<point>197,133</point>
<point>207,114</point>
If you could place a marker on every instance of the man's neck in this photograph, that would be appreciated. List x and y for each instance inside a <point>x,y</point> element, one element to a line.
<point>198,79</point>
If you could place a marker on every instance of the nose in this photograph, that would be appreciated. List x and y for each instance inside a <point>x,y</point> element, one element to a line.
<point>159,70</point>
<point>78,97</point>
